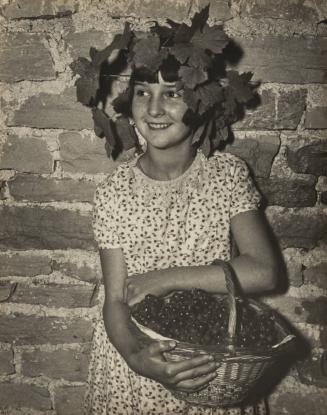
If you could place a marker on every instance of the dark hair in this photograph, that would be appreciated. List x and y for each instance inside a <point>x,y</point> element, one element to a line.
<point>169,72</point>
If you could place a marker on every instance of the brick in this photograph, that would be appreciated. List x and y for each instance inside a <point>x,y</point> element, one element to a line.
<point>301,228</point>
<point>288,192</point>
<point>317,310</point>
<point>287,60</point>
<point>44,228</point>
<point>317,275</point>
<point>19,9</point>
<point>39,189</point>
<point>52,295</point>
<point>309,159</point>
<point>53,111</point>
<point>262,117</point>
<point>82,271</point>
<point>15,147</point>
<point>24,57</point>
<point>6,362</point>
<point>84,154</point>
<point>286,10</point>
<point>219,9</point>
<point>24,265</point>
<point>290,108</point>
<point>33,330</point>
<point>316,118</point>
<point>80,43</point>
<point>300,402</point>
<point>69,400</point>
<point>257,152</point>
<point>70,365</point>
<point>19,395</point>
<point>310,373</point>
<point>177,10</point>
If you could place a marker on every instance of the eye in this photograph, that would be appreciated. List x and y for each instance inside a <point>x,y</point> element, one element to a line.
<point>174,94</point>
<point>141,92</point>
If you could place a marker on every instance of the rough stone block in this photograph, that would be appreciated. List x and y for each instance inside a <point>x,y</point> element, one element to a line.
<point>310,372</point>
<point>20,154</point>
<point>286,10</point>
<point>300,402</point>
<point>68,296</point>
<point>25,330</point>
<point>5,292</point>
<point>288,192</point>
<point>70,365</point>
<point>296,60</point>
<point>317,275</point>
<point>309,159</point>
<point>219,9</point>
<point>323,198</point>
<point>24,265</point>
<point>53,111</point>
<point>302,228</point>
<point>24,57</point>
<point>86,270</point>
<point>69,400</point>
<point>39,189</point>
<point>177,10</point>
<point>262,117</point>
<point>291,308</point>
<point>257,152</point>
<point>6,362</point>
<point>316,118</point>
<point>290,108</point>
<point>19,9</point>
<point>20,395</point>
<point>81,42</point>
<point>45,228</point>
<point>84,154</point>
<point>317,310</point>
<point>293,261</point>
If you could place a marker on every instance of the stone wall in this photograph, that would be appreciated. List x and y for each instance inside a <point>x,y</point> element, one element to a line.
<point>51,160</point>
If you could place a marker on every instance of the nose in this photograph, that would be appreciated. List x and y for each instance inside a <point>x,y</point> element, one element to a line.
<point>155,106</point>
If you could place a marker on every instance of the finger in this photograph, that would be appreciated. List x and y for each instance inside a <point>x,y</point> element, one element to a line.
<point>161,346</point>
<point>189,364</point>
<point>202,370</point>
<point>196,384</point>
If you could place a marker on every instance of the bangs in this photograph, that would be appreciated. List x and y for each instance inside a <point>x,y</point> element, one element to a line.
<point>168,70</point>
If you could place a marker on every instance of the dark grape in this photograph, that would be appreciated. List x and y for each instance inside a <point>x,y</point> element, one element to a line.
<point>198,317</point>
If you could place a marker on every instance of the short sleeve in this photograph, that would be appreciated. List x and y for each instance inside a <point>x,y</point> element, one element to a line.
<point>104,222</point>
<point>245,195</point>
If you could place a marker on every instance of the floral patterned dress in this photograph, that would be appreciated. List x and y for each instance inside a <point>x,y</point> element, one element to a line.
<point>161,224</point>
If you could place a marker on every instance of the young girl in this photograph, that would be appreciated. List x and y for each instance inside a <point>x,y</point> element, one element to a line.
<point>160,221</point>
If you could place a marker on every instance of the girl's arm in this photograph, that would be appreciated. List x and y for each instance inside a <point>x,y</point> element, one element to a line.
<point>256,266</point>
<point>188,375</point>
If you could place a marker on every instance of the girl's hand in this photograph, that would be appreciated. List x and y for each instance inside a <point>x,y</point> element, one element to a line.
<point>188,375</point>
<point>137,287</point>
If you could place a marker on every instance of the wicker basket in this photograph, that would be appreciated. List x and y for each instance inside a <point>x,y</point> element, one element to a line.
<point>239,369</point>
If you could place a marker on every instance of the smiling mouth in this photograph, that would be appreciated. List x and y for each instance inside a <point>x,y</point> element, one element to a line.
<point>158,126</point>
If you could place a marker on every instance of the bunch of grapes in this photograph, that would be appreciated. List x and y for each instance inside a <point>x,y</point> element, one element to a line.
<point>198,317</point>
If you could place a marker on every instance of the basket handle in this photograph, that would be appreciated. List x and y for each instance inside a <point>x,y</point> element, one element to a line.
<point>233,292</point>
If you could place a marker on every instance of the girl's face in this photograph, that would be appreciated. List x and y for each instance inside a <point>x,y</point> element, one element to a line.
<point>158,110</point>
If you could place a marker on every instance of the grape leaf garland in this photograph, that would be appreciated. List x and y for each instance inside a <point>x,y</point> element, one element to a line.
<point>213,100</point>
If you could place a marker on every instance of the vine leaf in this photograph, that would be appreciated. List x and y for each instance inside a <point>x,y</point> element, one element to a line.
<point>211,37</point>
<point>120,41</point>
<point>192,76</point>
<point>87,84</point>
<point>146,52</point>
<point>104,126</point>
<point>239,84</point>
<point>208,95</point>
<point>194,56</point>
